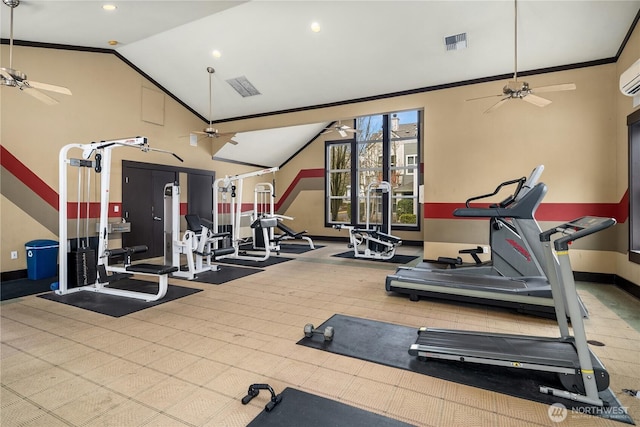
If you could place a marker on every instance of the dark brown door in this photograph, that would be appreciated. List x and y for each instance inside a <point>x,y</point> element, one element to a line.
<point>200,195</point>
<point>143,207</point>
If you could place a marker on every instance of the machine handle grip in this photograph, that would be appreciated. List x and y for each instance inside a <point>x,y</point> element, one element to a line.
<point>562,243</point>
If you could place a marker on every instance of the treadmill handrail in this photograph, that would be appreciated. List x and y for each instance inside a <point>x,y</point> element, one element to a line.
<point>575,230</point>
<point>524,208</point>
<point>508,200</point>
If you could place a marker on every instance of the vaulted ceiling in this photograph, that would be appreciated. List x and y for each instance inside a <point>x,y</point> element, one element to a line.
<point>362,49</point>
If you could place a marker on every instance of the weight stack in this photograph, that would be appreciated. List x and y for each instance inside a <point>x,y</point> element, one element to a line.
<point>81,267</point>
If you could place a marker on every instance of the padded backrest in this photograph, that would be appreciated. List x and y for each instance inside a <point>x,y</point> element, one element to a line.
<point>193,223</point>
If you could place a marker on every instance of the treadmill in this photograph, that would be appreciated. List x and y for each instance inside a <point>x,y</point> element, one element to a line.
<point>580,371</point>
<point>510,255</point>
<point>526,294</point>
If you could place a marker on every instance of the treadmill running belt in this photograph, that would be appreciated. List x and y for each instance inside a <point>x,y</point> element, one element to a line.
<point>540,351</point>
<point>465,280</point>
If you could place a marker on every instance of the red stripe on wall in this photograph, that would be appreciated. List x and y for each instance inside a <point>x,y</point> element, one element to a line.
<point>546,211</point>
<point>304,173</point>
<point>94,210</point>
<point>26,176</point>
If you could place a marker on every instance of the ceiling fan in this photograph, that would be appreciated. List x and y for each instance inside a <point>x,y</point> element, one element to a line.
<point>210,131</point>
<point>16,78</point>
<point>343,130</point>
<point>515,89</point>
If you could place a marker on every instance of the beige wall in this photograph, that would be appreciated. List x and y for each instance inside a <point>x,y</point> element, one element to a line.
<point>580,138</point>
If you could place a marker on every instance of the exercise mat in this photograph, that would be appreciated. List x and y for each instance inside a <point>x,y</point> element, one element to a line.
<point>225,274</point>
<point>24,287</point>
<point>117,306</point>
<point>388,344</point>
<point>396,259</point>
<point>299,408</point>
<point>272,260</point>
<point>297,248</point>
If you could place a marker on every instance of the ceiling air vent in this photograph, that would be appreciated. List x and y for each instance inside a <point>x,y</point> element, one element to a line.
<point>243,86</point>
<point>459,41</point>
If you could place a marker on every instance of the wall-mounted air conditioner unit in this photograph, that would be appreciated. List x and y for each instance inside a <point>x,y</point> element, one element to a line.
<point>630,80</point>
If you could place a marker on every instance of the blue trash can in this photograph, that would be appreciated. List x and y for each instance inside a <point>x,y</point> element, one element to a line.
<point>42,259</point>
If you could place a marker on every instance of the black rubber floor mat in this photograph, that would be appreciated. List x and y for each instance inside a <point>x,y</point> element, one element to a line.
<point>116,306</point>
<point>272,260</point>
<point>225,274</point>
<point>388,344</point>
<point>397,259</point>
<point>295,248</point>
<point>25,287</point>
<point>301,409</point>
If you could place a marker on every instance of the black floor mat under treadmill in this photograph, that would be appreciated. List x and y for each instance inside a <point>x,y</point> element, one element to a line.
<point>388,344</point>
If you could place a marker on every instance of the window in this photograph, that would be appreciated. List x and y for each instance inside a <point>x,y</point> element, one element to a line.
<point>385,149</point>
<point>633,121</point>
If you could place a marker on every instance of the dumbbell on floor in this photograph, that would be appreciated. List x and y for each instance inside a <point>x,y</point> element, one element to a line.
<point>327,332</point>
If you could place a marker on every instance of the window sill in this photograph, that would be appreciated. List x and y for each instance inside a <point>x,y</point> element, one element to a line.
<point>634,256</point>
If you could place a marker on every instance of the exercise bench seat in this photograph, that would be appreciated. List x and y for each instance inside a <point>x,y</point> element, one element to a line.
<point>290,234</point>
<point>151,269</point>
<point>160,271</point>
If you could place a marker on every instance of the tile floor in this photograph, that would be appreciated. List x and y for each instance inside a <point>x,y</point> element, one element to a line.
<point>189,362</point>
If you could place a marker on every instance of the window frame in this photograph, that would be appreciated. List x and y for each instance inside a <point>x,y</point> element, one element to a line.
<point>633,124</point>
<point>387,169</point>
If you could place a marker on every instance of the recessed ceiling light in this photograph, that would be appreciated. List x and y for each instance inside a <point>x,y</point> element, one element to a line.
<point>112,42</point>
<point>315,27</point>
<point>216,53</point>
<point>109,7</point>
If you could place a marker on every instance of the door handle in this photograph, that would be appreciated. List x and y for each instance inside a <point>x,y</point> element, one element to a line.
<point>157,218</point>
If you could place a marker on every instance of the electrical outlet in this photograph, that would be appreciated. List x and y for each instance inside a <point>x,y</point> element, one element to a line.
<point>485,249</point>
<point>14,254</point>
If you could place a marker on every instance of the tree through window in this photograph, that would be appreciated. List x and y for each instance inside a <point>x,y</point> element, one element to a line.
<point>385,148</point>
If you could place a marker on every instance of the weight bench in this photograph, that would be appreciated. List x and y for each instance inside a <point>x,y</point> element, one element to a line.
<point>160,271</point>
<point>289,234</point>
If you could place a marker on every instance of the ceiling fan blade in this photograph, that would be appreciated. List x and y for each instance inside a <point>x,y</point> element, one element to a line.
<point>5,74</point>
<point>555,88</point>
<point>50,88</point>
<point>497,105</point>
<point>39,95</point>
<point>232,134</point>
<point>484,97</point>
<point>536,100</point>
